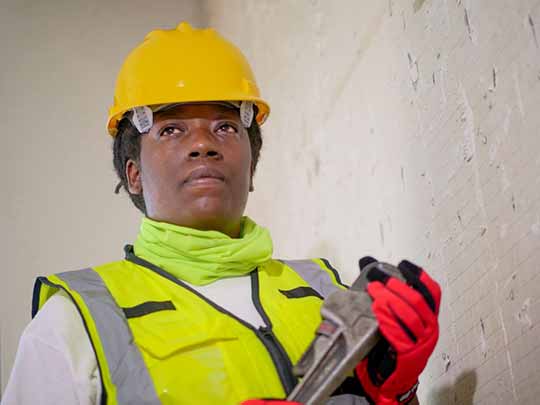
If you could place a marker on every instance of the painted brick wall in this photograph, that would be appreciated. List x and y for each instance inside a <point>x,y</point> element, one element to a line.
<point>410,128</point>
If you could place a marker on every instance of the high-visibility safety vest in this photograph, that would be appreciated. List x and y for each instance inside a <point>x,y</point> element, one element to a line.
<point>158,341</point>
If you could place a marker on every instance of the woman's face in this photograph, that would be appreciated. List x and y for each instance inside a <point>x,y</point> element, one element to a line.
<point>195,168</point>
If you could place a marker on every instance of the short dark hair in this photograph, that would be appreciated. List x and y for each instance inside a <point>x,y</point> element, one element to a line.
<point>127,145</point>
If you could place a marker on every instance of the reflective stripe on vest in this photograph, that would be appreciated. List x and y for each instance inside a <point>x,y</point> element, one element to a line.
<point>127,369</point>
<point>320,281</point>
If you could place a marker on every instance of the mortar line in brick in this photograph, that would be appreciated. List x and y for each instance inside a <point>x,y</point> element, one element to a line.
<point>466,269</point>
<point>475,326</point>
<point>460,253</point>
<point>523,264</point>
<point>496,214</point>
<point>501,70</point>
<point>462,314</point>
<point>522,236</point>
<point>535,377</point>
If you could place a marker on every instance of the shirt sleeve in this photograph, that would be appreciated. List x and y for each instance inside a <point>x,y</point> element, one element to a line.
<point>55,362</point>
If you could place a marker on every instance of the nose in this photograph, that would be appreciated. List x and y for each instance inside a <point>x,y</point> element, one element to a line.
<point>204,145</point>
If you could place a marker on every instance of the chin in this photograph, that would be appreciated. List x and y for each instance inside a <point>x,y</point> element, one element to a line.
<point>209,207</point>
<point>207,214</point>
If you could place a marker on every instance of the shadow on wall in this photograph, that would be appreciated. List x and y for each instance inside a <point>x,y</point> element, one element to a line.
<point>461,392</point>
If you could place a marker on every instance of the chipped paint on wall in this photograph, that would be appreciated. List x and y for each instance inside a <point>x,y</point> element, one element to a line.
<point>517,87</point>
<point>509,362</point>
<point>471,31</point>
<point>523,316</point>
<point>468,145</point>
<point>414,71</point>
<point>483,340</point>
<point>500,136</point>
<point>533,30</point>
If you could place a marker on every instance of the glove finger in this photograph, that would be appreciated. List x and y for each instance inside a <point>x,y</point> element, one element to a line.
<point>415,301</point>
<point>398,336</point>
<point>434,288</point>
<point>398,333</point>
<point>423,283</point>
<point>404,314</point>
<point>365,261</point>
<point>407,292</point>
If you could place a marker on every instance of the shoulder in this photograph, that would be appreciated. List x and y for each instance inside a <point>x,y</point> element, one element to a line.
<point>55,337</point>
<point>78,280</point>
<point>63,285</point>
<point>317,273</point>
<point>313,268</point>
<point>59,325</point>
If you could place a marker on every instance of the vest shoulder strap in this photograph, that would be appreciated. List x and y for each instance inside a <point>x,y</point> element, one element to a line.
<point>124,374</point>
<point>318,273</point>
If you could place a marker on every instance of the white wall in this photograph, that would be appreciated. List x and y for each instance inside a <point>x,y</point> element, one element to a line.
<point>58,66</point>
<point>410,128</point>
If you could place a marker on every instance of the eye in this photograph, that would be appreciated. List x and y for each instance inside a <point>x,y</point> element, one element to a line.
<point>171,131</point>
<point>227,128</point>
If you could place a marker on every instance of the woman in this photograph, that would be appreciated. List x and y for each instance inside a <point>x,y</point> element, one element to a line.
<point>198,312</point>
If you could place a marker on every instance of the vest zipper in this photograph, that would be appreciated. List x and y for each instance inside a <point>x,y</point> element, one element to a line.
<point>278,354</point>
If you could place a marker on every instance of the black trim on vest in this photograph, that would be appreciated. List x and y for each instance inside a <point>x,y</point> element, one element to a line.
<point>334,271</point>
<point>130,257</point>
<point>279,356</point>
<point>35,295</point>
<point>301,292</point>
<point>148,307</point>
<point>44,280</point>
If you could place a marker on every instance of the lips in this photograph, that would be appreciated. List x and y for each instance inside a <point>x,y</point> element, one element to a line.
<point>204,173</point>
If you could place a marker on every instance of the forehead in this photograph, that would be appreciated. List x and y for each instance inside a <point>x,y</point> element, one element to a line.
<point>199,110</point>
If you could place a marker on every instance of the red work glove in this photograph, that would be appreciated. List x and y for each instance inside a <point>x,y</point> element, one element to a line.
<point>407,316</point>
<point>269,402</point>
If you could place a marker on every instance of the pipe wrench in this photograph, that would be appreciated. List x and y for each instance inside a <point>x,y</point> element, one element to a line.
<point>347,333</point>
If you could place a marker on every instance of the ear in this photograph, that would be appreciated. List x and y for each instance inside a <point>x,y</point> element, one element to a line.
<point>133,175</point>
<point>251,174</point>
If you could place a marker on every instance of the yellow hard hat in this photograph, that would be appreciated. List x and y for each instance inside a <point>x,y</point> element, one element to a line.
<point>184,65</point>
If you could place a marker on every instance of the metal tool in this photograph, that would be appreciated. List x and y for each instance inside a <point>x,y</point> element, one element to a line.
<point>345,336</point>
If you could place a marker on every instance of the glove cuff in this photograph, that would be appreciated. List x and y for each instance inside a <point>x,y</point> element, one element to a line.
<point>374,393</point>
<point>408,396</point>
<point>400,399</point>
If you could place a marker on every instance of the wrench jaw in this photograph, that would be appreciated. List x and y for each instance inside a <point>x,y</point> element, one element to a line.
<point>346,335</point>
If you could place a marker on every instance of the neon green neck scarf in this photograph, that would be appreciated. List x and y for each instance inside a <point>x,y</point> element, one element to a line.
<point>201,257</point>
